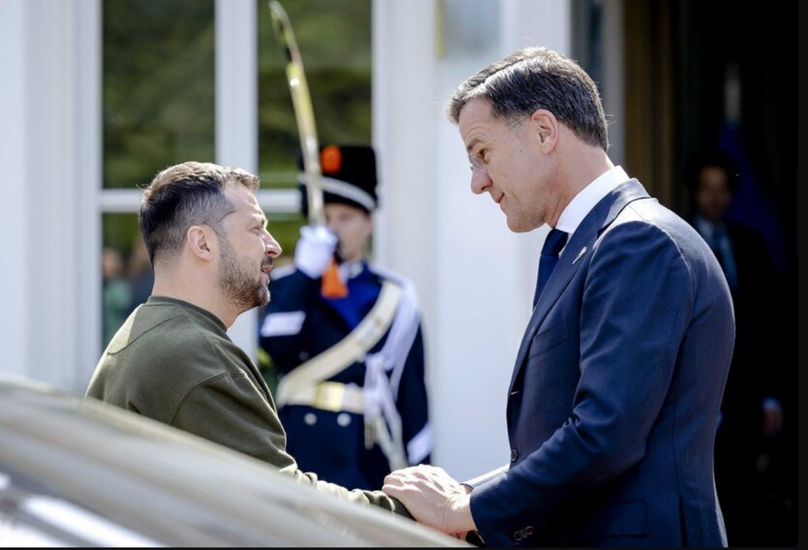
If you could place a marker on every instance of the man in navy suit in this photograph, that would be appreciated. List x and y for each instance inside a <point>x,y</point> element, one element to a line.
<point>618,381</point>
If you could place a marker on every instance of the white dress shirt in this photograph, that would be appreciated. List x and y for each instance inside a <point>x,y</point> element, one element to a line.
<point>583,203</point>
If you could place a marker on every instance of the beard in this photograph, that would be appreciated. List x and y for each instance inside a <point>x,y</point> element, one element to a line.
<point>244,286</point>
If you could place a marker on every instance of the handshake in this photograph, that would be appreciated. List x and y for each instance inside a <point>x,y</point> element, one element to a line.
<point>433,498</point>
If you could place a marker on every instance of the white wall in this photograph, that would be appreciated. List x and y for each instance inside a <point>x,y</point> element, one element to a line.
<point>49,164</point>
<point>13,313</point>
<point>474,277</point>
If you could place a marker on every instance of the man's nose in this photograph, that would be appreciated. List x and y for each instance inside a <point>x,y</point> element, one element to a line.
<point>479,181</point>
<point>273,249</point>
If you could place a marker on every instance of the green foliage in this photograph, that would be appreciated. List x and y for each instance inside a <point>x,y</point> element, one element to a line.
<point>334,39</point>
<point>120,232</point>
<point>158,86</point>
<point>158,93</point>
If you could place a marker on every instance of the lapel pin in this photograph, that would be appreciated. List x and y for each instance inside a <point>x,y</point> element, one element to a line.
<point>579,256</point>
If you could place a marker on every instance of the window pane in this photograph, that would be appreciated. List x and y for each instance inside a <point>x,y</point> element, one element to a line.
<point>335,44</point>
<point>158,83</point>
<point>126,273</point>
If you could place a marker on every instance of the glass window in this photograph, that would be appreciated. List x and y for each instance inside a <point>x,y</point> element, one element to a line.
<point>158,84</point>
<point>158,94</point>
<point>334,39</point>
<point>127,277</point>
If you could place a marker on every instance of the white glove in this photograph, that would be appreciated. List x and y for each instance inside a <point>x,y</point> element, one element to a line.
<point>315,250</point>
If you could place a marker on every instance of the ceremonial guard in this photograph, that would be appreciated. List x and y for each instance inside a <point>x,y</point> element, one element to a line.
<point>345,337</point>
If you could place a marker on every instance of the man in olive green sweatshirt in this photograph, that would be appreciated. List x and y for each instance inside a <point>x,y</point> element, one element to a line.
<point>172,360</point>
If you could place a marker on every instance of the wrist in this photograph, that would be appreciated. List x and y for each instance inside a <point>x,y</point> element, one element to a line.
<point>462,519</point>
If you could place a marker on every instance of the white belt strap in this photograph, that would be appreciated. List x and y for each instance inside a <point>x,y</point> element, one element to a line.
<point>300,386</point>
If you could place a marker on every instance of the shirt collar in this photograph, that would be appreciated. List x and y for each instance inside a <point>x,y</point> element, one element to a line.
<point>588,197</point>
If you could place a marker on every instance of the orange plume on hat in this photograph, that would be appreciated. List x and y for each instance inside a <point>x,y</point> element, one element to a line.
<point>331,159</point>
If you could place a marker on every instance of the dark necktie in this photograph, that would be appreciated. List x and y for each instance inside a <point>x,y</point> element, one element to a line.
<point>553,244</point>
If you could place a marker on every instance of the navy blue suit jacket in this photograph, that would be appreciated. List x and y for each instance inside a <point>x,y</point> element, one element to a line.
<point>616,390</point>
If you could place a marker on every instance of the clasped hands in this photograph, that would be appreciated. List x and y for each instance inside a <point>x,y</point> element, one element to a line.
<point>433,498</point>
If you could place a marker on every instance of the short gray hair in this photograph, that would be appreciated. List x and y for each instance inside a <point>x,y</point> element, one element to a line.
<point>537,78</point>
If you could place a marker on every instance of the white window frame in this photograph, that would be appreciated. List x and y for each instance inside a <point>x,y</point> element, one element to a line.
<point>236,139</point>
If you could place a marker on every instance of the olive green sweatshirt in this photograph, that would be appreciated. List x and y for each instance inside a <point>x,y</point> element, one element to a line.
<point>174,362</point>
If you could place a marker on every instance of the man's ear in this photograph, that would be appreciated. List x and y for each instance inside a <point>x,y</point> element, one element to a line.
<point>201,240</point>
<point>546,128</point>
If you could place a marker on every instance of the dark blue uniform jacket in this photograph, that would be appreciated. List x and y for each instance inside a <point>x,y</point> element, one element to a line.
<point>332,444</point>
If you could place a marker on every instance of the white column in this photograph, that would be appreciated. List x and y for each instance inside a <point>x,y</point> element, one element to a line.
<point>50,319</point>
<point>237,113</point>
<point>50,228</point>
<point>406,114</point>
<point>88,185</point>
<point>13,313</point>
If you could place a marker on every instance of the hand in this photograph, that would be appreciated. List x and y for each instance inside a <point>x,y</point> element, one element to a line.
<point>315,250</point>
<point>433,498</point>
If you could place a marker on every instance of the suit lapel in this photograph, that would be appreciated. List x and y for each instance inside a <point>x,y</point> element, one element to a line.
<point>574,255</point>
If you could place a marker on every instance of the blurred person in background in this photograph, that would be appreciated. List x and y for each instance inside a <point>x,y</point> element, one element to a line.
<point>139,273</point>
<point>754,460</point>
<point>117,294</point>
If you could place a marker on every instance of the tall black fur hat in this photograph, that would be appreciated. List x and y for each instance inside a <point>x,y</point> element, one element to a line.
<point>349,177</point>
